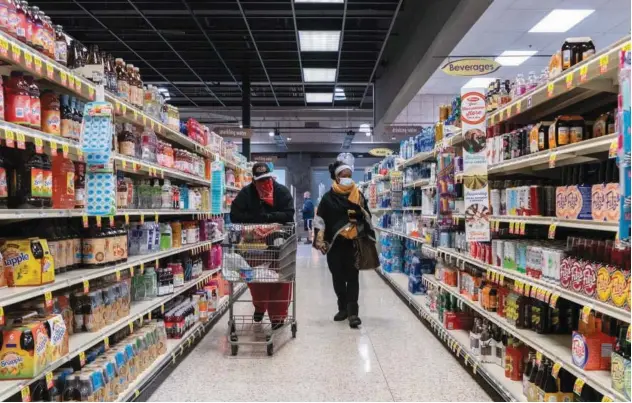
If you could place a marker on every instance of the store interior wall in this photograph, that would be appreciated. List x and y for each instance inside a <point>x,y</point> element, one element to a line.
<point>423,109</point>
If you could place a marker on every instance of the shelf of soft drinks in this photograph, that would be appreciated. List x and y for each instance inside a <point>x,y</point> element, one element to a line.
<point>556,347</point>
<point>175,348</point>
<point>455,137</point>
<point>564,155</point>
<point>135,165</point>
<point>612,226</point>
<point>586,75</point>
<point>550,292</point>
<point>425,245</point>
<point>23,57</point>
<point>13,295</point>
<point>457,340</point>
<point>20,214</point>
<point>80,342</point>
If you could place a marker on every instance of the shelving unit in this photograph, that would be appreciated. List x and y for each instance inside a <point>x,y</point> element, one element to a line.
<point>579,224</point>
<point>421,184</point>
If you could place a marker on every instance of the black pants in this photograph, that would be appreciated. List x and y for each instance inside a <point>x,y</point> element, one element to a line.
<point>341,259</point>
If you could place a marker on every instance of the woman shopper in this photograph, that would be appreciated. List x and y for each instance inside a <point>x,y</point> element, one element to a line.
<point>261,202</point>
<point>342,231</point>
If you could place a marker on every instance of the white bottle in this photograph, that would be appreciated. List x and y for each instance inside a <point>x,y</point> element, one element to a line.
<point>166,195</point>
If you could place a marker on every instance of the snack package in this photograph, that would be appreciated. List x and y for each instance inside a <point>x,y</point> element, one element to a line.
<point>27,262</point>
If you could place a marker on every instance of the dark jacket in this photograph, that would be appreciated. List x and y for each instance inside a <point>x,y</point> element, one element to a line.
<point>308,209</point>
<point>334,211</point>
<point>248,208</point>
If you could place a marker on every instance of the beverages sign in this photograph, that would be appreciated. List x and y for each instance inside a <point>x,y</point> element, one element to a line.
<point>380,152</point>
<point>470,67</point>
<point>233,132</point>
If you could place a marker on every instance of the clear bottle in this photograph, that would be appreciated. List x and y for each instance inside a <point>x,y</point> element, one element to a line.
<point>544,76</point>
<point>156,195</point>
<point>532,81</point>
<point>166,195</point>
<point>521,86</point>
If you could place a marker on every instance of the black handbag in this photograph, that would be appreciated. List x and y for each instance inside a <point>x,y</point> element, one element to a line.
<point>367,257</point>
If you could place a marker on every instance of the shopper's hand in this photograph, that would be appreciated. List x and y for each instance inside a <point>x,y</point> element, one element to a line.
<point>323,248</point>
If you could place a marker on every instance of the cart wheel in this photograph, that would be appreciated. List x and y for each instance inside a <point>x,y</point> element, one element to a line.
<point>270,349</point>
<point>234,348</point>
<point>293,330</point>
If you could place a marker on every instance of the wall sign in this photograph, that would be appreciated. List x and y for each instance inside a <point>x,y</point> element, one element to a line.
<point>264,158</point>
<point>233,132</point>
<point>381,152</point>
<point>400,130</point>
<point>470,67</point>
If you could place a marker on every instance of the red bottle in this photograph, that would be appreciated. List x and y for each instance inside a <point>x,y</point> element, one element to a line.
<point>63,182</point>
<point>17,99</point>
<point>36,106</point>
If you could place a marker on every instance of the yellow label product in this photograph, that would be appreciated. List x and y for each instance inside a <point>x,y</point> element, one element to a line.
<point>27,262</point>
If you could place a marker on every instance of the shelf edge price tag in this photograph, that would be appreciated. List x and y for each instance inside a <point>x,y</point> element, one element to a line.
<point>10,138</point>
<point>603,63</point>
<point>131,326</point>
<point>549,90</point>
<point>527,289</point>
<point>131,271</point>
<point>552,159</point>
<point>142,218</point>
<point>511,227</point>
<point>84,221</point>
<point>554,298</point>
<point>569,80</point>
<point>20,140</point>
<point>501,280</point>
<point>15,52</point>
<point>53,148</point>
<point>25,393</point>
<point>583,73</point>
<point>162,309</point>
<point>586,313</point>
<point>99,221</point>
<point>86,286</point>
<point>578,386</point>
<point>136,394</point>
<point>556,369</point>
<point>50,70</point>
<point>607,398</point>
<point>118,275</point>
<point>523,225</point>
<point>106,342</point>
<point>82,358</point>
<point>614,148</point>
<point>28,60</point>
<point>39,145</point>
<point>91,92</point>
<point>49,380</point>
<point>64,150</point>
<point>63,77</point>
<point>48,299</point>
<point>126,219</point>
<point>142,268</point>
<point>552,228</point>
<point>80,154</point>
<point>2,321</point>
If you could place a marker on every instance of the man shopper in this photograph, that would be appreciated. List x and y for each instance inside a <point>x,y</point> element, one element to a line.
<point>261,202</point>
<point>308,215</point>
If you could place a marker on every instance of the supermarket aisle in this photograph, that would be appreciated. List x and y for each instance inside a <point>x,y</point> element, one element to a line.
<point>392,357</point>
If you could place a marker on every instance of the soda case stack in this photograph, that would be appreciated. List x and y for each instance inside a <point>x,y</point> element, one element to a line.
<point>424,141</point>
<point>391,254</point>
<point>217,187</point>
<point>415,265</point>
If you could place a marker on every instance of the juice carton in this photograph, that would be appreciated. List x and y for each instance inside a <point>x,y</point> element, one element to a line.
<point>57,346</point>
<point>23,353</point>
<point>27,262</point>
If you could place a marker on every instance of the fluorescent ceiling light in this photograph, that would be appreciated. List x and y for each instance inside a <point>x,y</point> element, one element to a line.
<point>289,139</point>
<point>365,128</point>
<point>340,94</point>
<point>271,134</point>
<point>514,57</point>
<point>319,1</point>
<point>560,20</point>
<point>478,82</point>
<point>319,41</point>
<point>319,75</point>
<point>318,97</point>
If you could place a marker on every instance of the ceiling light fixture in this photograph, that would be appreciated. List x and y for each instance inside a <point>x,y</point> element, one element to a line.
<point>366,129</point>
<point>339,94</point>
<point>271,134</point>
<point>560,20</point>
<point>289,139</point>
<point>318,97</point>
<point>514,57</point>
<point>478,82</point>
<point>319,75</point>
<point>319,1</point>
<point>319,41</point>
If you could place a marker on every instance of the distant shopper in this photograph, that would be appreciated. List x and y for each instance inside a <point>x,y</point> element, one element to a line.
<point>342,231</point>
<point>265,201</point>
<point>308,215</point>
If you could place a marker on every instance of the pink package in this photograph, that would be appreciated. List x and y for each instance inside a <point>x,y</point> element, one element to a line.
<point>216,253</point>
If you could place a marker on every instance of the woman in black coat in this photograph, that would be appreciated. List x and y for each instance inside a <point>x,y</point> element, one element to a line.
<point>343,217</point>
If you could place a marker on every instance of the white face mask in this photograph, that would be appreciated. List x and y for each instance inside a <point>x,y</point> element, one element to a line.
<point>346,181</point>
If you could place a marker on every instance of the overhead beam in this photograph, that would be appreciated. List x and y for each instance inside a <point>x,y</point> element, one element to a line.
<point>89,14</point>
<point>131,3</point>
<point>271,148</point>
<point>342,36</point>
<point>298,50</point>
<point>254,43</point>
<point>426,30</point>
<point>179,13</point>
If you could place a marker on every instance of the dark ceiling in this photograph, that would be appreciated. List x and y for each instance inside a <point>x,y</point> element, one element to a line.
<point>199,50</point>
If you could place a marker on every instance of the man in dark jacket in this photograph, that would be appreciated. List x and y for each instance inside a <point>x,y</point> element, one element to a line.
<point>265,201</point>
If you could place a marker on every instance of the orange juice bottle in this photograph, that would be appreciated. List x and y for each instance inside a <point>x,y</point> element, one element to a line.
<point>63,182</point>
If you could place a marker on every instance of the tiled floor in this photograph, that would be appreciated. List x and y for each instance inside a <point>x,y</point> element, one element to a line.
<point>393,357</point>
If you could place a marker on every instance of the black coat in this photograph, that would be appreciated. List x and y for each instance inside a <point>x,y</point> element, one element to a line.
<point>248,208</point>
<point>334,212</point>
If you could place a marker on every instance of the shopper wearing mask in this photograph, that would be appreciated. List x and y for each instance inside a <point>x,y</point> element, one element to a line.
<point>343,231</point>
<point>308,215</point>
<point>261,202</point>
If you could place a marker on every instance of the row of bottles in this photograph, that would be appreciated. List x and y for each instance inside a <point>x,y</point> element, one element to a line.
<point>142,194</point>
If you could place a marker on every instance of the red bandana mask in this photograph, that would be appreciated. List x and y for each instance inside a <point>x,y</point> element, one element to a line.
<point>265,189</point>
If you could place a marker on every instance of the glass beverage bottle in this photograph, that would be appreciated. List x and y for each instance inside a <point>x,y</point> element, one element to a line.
<point>63,182</point>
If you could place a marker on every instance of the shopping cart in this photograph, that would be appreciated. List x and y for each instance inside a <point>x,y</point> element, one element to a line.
<point>259,254</point>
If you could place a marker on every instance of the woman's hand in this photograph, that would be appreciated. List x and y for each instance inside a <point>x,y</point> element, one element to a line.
<point>321,246</point>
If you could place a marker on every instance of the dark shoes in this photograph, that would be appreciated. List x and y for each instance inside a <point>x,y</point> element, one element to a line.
<point>277,325</point>
<point>258,316</point>
<point>354,321</point>
<point>340,316</point>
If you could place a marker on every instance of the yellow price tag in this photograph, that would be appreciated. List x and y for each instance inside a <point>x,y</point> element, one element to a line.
<point>135,114</point>
<point>126,219</point>
<point>49,380</point>
<point>173,358</point>
<point>10,137</point>
<point>86,286</point>
<point>549,90</point>
<point>84,220</point>
<point>16,52</point>
<point>131,326</point>
<point>118,275</point>
<point>607,398</point>
<point>71,81</point>
<point>64,150</point>
<point>142,218</point>
<point>569,80</point>
<point>20,140</point>
<point>144,120</point>
<point>39,145</point>
<point>98,221</point>
<point>527,289</point>
<point>511,227</point>
<point>614,148</point>
<point>77,85</point>
<point>79,154</point>
<point>556,369</point>
<point>131,271</point>
<point>48,299</point>
<point>553,300</point>
<point>111,220</point>
<point>474,368</point>
<point>63,77</point>
<point>552,229</point>
<point>38,64</point>
<point>552,159</point>
<point>583,73</point>
<point>156,217</point>
<point>157,263</point>
<point>586,313</point>
<point>538,356</point>
<point>28,59</point>
<point>578,386</point>
<point>149,315</point>
<point>53,148</point>
<point>82,358</point>
<point>2,321</point>
<point>142,268</point>
<point>106,342</point>
<point>25,393</point>
<point>523,225</point>
<point>136,394</point>
<point>501,279</point>
<point>162,309</point>
<point>603,63</point>
<point>91,92</point>
<point>124,108</point>
<point>50,70</point>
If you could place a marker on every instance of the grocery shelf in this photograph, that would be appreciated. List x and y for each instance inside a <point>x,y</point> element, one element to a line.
<point>551,289</point>
<point>20,214</point>
<point>582,81</point>
<point>421,183</point>
<point>133,165</point>
<point>454,139</point>
<point>579,224</point>
<point>457,340</point>
<point>13,295</point>
<point>228,163</point>
<point>555,347</point>
<point>175,348</point>
<point>565,155</point>
<point>425,246</point>
<point>80,342</point>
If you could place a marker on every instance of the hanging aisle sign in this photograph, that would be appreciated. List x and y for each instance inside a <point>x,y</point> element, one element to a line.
<point>381,152</point>
<point>233,132</point>
<point>476,191</point>
<point>400,130</point>
<point>470,67</point>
